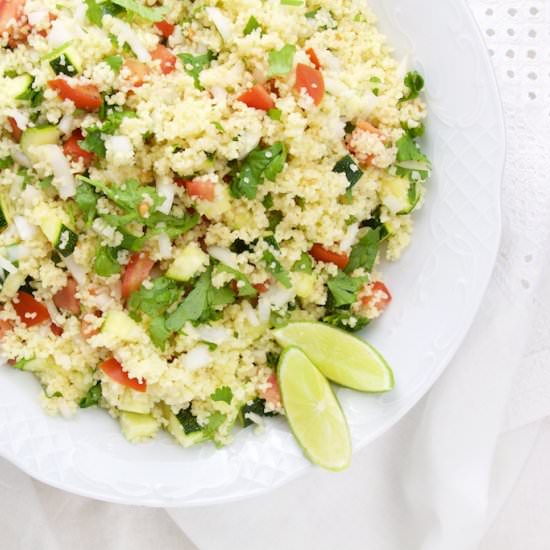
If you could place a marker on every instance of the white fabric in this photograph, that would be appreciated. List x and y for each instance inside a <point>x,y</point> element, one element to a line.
<point>447,476</point>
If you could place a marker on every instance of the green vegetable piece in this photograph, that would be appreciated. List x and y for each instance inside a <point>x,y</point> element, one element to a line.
<point>251,26</point>
<point>364,253</point>
<point>158,332</point>
<point>106,263</point>
<point>275,114</point>
<point>256,406</point>
<point>96,11</point>
<point>415,83</point>
<point>151,14</point>
<point>215,420</point>
<point>313,13</point>
<point>281,61</point>
<point>188,421</point>
<point>292,2</point>
<point>304,264</point>
<point>244,288</point>
<point>194,65</point>
<point>223,394</point>
<point>258,165</point>
<point>156,300</point>
<point>348,167</point>
<point>92,397</point>
<point>93,142</point>
<point>6,162</point>
<point>344,289</point>
<point>276,269</point>
<point>345,320</point>
<point>115,62</point>
<point>86,200</point>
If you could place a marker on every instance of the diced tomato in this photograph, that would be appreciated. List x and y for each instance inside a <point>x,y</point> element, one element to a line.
<point>166,57</point>
<point>205,190</point>
<point>89,329</point>
<point>262,288</point>
<point>72,149</point>
<point>313,57</point>
<point>84,96</point>
<point>12,21</point>
<point>113,369</point>
<point>165,28</point>
<point>321,254</point>
<point>378,296</point>
<point>30,311</point>
<point>312,81</point>
<point>272,394</point>
<point>16,132</point>
<point>5,327</point>
<point>138,71</point>
<point>257,98</point>
<point>66,298</point>
<point>56,329</point>
<point>136,272</point>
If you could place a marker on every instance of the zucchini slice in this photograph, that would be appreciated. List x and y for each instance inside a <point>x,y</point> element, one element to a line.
<point>42,135</point>
<point>65,60</point>
<point>63,238</point>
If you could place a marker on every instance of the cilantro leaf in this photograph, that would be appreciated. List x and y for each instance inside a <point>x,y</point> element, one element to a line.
<point>411,163</point>
<point>93,142</point>
<point>364,253</point>
<point>251,26</point>
<point>194,65</point>
<point>115,62</point>
<point>6,162</point>
<point>96,10</point>
<point>114,120</point>
<point>276,269</point>
<point>415,83</point>
<point>343,289</point>
<point>245,289</point>
<point>304,264</point>
<point>258,165</point>
<point>224,394</point>
<point>346,320</point>
<point>92,397</point>
<point>281,61</point>
<point>106,262</point>
<point>151,14</point>
<point>215,420</point>
<point>158,332</point>
<point>348,167</point>
<point>156,300</point>
<point>86,200</point>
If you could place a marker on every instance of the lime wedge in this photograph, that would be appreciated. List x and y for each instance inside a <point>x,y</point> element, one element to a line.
<point>341,357</point>
<point>313,411</point>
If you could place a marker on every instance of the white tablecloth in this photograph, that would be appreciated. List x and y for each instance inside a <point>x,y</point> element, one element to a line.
<point>467,468</point>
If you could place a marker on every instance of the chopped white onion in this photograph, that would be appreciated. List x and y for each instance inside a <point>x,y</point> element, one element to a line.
<point>37,17</point>
<point>80,13</point>
<point>20,117</point>
<point>16,252</point>
<point>165,246</point>
<point>222,23</point>
<point>21,158</point>
<point>218,93</point>
<point>214,335</point>
<point>77,271</point>
<point>278,295</point>
<point>197,358</point>
<point>60,34</point>
<point>329,60</point>
<point>402,69</point>
<point>167,190</point>
<point>126,34</point>
<point>224,256</point>
<point>26,230</point>
<point>7,265</point>
<point>349,238</point>
<point>63,177</point>
<point>103,301</point>
<point>249,141</point>
<point>65,125</point>
<point>264,309</point>
<point>250,314</point>
<point>55,316</point>
<point>121,145</point>
<point>414,165</point>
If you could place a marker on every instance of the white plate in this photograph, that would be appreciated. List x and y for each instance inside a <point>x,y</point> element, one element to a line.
<point>437,287</point>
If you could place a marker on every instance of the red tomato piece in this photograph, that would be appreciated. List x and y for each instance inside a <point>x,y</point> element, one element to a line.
<point>30,311</point>
<point>312,81</point>
<point>257,98</point>
<point>165,28</point>
<point>272,394</point>
<point>205,190</point>
<point>136,272</point>
<point>321,254</point>
<point>12,19</point>
<point>313,57</point>
<point>73,151</point>
<point>166,57</point>
<point>262,288</point>
<point>84,96</point>
<point>16,132</point>
<point>138,71</point>
<point>66,298</point>
<point>113,369</point>
<point>57,330</point>
<point>87,329</point>
<point>5,327</point>
<point>379,296</point>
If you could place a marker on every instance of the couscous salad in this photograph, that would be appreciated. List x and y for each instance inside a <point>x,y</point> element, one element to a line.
<point>179,181</point>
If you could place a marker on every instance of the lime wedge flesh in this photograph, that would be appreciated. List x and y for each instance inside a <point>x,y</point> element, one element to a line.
<point>313,411</point>
<point>341,357</point>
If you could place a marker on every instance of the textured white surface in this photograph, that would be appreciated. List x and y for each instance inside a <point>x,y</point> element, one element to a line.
<point>438,286</point>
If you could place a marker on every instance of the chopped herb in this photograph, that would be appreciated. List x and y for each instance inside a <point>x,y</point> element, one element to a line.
<point>411,163</point>
<point>346,320</point>
<point>304,264</point>
<point>93,142</point>
<point>188,421</point>
<point>292,2</point>
<point>313,13</point>
<point>415,132</point>
<point>215,420</point>
<point>276,269</point>
<point>156,300</point>
<point>343,289</point>
<point>281,61</point>
<point>414,82</point>
<point>251,26</point>
<point>364,253</point>
<point>115,62</point>
<point>268,201</point>
<point>106,263</point>
<point>244,288</point>
<point>259,164</point>
<point>96,10</point>
<point>151,14</point>
<point>46,183</point>
<point>275,217</point>
<point>218,126</point>
<point>275,114</point>
<point>92,397</point>
<point>348,167</point>
<point>194,65</point>
<point>223,394</point>
<point>256,406</point>
<point>350,127</point>
<point>86,200</point>
<point>6,162</point>
<point>158,332</point>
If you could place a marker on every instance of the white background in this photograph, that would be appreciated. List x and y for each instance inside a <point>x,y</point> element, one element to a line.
<point>467,468</point>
